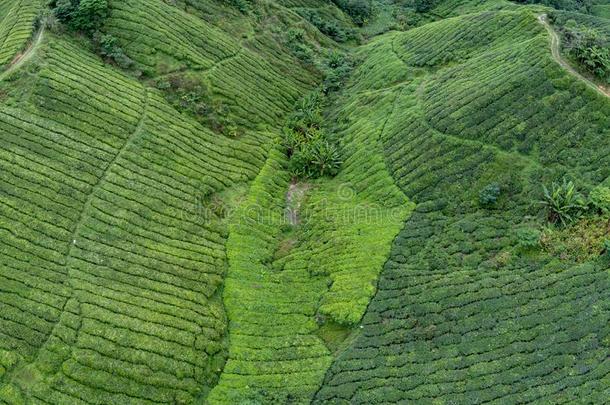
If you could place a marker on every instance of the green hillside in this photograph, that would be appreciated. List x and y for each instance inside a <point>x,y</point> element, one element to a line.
<point>305,201</point>
<point>17,20</point>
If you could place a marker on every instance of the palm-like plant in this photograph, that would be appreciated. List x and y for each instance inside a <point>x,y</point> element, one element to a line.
<point>326,159</point>
<point>563,202</point>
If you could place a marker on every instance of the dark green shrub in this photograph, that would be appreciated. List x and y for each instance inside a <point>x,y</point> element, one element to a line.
<point>423,6</point>
<point>326,159</point>
<point>330,28</point>
<point>81,15</point>
<point>316,158</point>
<point>359,10</point>
<point>528,238</point>
<point>311,154</point>
<point>295,41</point>
<point>563,202</point>
<point>606,248</point>
<point>109,49</point>
<point>336,69</point>
<point>489,195</point>
<point>241,5</point>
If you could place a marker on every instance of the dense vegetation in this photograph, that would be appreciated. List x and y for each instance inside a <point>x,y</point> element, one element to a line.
<point>587,41</point>
<point>305,201</point>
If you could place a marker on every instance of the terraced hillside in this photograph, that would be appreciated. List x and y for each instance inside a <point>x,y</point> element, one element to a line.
<point>463,315</point>
<point>156,245</point>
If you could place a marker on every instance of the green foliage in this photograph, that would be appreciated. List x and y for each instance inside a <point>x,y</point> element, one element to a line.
<point>578,242</point>
<point>599,199</point>
<point>110,49</point>
<point>295,40</point>
<point>82,15</point>
<point>336,68</point>
<point>359,10</point>
<point>606,247</point>
<point>423,6</point>
<point>311,153</point>
<point>489,194</point>
<point>242,5</point>
<point>329,27</point>
<point>563,202</point>
<point>589,47</point>
<point>528,238</point>
<point>315,158</point>
<point>190,94</point>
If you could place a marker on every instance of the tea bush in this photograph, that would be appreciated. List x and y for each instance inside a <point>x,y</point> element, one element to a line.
<point>489,194</point>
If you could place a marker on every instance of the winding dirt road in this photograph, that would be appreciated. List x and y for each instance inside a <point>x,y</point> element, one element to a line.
<point>555,42</point>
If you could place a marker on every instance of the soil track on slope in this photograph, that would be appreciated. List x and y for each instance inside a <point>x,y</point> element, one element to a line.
<point>24,56</point>
<point>555,42</point>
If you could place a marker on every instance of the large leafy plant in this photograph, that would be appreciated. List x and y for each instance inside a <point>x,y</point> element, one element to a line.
<point>563,202</point>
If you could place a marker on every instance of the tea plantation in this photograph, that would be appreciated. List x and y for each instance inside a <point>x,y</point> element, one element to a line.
<point>304,201</point>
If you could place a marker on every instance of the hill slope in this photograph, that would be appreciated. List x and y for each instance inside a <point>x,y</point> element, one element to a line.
<point>155,246</point>
<point>461,313</point>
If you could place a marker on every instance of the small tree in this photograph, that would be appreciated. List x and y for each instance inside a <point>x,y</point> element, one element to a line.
<point>82,15</point>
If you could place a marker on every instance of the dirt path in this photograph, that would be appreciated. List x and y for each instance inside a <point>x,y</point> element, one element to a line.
<point>294,200</point>
<point>23,57</point>
<point>555,42</point>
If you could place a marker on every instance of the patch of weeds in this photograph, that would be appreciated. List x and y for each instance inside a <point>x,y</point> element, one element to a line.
<point>580,241</point>
<point>188,93</point>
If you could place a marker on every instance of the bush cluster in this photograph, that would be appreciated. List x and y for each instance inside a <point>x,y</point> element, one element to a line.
<point>589,47</point>
<point>359,10</point>
<point>336,68</point>
<point>565,204</point>
<point>241,5</point>
<point>330,28</point>
<point>306,143</point>
<point>88,16</point>
<point>109,49</point>
<point>423,6</point>
<point>81,15</point>
<point>188,93</point>
<point>489,194</point>
<point>295,41</point>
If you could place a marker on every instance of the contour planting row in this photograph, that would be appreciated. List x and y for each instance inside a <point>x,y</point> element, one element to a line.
<point>17,19</point>
<point>459,38</point>
<point>138,260</point>
<point>461,313</point>
<point>491,109</point>
<point>50,168</point>
<point>291,280</point>
<point>449,8</point>
<point>244,77</point>
<point>166,34</point>
<point>274,354</point>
